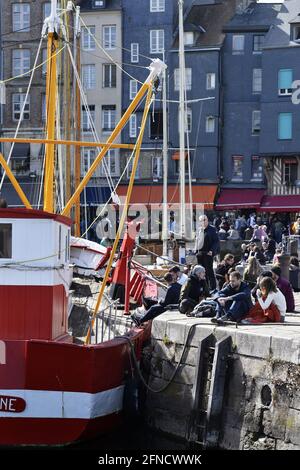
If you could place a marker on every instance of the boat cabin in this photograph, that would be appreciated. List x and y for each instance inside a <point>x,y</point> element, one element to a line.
<point>35,274</point>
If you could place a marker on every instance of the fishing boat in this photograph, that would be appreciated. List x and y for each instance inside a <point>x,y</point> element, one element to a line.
<point>54,389</point>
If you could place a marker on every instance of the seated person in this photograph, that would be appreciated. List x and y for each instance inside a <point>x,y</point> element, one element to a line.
<point>256,287</point>
<point>194,290</point>
<point>245,252</point>
<point>285,287</point>
<point>178,276</point>
<point>252,271</point>
<point>222,234</point>
<point>270,305</point>
<point>234,301</point>
<point>233,234</point>
<point>294,271</point>
<point>171,298</point>
<point>266,252</point>
<point>259,255</point>
<point>223,268</point>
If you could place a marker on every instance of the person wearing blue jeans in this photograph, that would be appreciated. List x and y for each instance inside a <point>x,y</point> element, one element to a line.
<point>171,298</point>
<point>234,301</point>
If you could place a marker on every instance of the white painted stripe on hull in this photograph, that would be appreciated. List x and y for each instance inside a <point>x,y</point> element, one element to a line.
<point>55,404</point>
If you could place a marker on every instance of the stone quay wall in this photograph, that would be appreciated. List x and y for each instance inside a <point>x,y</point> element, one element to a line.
<point>261,401</point>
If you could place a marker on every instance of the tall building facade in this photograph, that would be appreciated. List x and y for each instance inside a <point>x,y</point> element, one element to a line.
<point>101,59</point>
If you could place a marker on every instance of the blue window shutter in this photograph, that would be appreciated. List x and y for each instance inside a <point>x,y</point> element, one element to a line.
<point>285,78</point>
<point>285,126</point>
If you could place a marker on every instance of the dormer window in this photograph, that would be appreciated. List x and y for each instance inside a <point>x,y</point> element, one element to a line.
<point>296,32</point>
<point>189,38</point>
<point>295,28</point>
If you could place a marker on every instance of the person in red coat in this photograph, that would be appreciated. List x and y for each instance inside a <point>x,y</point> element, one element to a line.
<point>270,305</point>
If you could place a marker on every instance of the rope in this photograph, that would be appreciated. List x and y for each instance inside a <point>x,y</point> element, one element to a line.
<point>22,110</point>
<point>124,213</point>
<point>106,53</point>
<point>137,367</point>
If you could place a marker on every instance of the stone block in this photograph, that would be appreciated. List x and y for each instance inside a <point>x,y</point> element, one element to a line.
<point>231,438</point>
<point>171,423</point>
<point>255,367</point>
<point>285,349</point>
<point>175,398</point>
<point>295,401</point>
<point>173,352</point>
<point>251,344</point>
<point>286,446</point>
<point>165,369</point>
<point>158,330</point>
<point>274,422</point>
<point>292,427</point>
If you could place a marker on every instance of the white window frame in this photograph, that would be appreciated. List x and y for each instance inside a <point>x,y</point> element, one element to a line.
<point>210,124</point>
<point>108,116</point>
<point>188,120</point>
<point>20,61</point>
<point>157,41</point>
<point>157,6</point>
<point>134,52</point>
<point>21,17</point>
<point>284,91</point>
<point>133,89</point>
<point>88,119</point>
<point>44,58</point>
<point>17,105</point>
<point>256,122</point>
<point>111,162</point>
<point>129,169</point>
<point>210,81</point>
<point>257,80</point>
<point>133,126</point>
<point>44,107</point>
<point>111,67</point>
<point>88,156</point>
<point>188,79</point>
<point>157,164</point>
<point>88,73</point>
<point>87,39</point>
<point>235,40</point>
<point>46,6</point>
<point>109,36</point>
<point>258,51</point>
<point>189,38</point>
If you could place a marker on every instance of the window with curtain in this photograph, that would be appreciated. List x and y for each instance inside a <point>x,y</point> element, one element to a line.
<point>285,80</point>
<point>285,126</point>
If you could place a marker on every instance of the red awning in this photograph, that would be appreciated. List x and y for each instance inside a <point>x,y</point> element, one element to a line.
<point>154,194</point>
<point>143,194</point>
<point>239,199</point>
<point>200,195</point>
<point>280,204</point>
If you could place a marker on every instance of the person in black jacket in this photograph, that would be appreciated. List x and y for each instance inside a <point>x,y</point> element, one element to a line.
<point>194,290</point>
<point>207,246</point>
<point>171,298</point>
<point>234,301</point>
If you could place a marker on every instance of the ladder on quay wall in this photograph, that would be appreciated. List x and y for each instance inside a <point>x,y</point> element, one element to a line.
<point>208,391</point>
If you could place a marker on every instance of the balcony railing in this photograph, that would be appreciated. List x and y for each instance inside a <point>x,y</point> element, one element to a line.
<point>284,189</point>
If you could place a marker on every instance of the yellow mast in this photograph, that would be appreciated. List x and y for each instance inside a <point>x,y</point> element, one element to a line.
<point>51,96</point>
<point>124,213</point>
